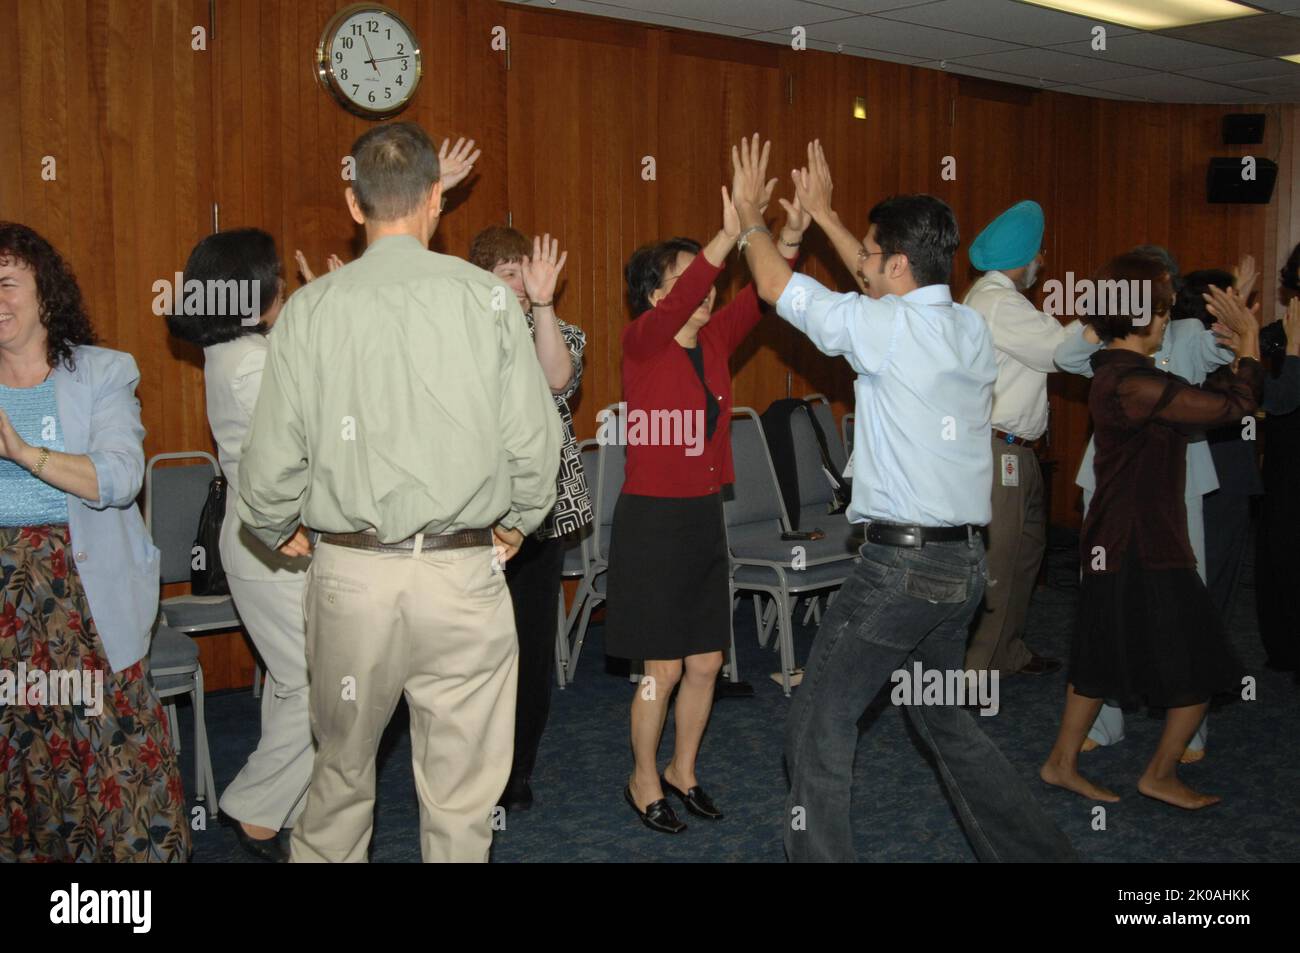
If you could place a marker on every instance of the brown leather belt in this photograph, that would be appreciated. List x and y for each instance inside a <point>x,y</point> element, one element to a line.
<point>461,539</point>
<point>1004,437</point>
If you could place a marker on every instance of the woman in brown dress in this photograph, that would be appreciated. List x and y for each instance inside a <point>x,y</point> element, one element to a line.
<point>1148,633</point>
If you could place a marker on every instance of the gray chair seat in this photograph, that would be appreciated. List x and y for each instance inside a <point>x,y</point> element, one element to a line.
<point>796,580</point>
<point>756,542</point>
<point>194,615</point>
<point>171,649</point>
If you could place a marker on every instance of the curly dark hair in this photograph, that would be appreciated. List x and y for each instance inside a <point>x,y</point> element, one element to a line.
<point>63,313</point>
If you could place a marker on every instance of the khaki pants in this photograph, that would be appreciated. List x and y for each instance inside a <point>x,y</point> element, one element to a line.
<point>1016,541</point>
<point>438,628</point>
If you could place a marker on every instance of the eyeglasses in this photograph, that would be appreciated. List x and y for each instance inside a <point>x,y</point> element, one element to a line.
<point>863,254</point>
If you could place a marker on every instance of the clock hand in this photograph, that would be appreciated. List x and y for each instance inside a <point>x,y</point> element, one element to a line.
<point>385,59</point>
<point>371,61</point>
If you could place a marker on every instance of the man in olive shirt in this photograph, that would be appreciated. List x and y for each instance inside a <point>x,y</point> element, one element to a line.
<point>403,415</point>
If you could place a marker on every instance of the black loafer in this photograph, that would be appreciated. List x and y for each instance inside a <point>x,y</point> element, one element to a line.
<point>658,816</point>
<point>271,850</point>
<point>517,797</point>
<point>696,801</point>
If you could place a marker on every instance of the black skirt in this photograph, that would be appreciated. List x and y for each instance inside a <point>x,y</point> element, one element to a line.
<point>1150,637</point>
<point>668,594</point>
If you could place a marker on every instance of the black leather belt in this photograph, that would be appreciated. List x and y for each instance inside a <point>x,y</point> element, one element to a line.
<point>461,539</point>
<point>901,534</point>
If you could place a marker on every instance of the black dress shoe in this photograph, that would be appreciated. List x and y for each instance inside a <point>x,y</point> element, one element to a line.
<point>696,801</point>
<point>658,816</point>
<point>1039,665</point>
<point>517,797</point>
<point>271,850</point>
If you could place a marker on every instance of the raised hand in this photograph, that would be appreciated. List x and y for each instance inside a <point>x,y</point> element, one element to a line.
<point>812,184</point>
<point>333,262</point>
<point>541,270</point>
<point>797,220</point>
<point>456,162</point>
<point>1238,326</point>
<point>1245,275</point>
<point>750,186</point>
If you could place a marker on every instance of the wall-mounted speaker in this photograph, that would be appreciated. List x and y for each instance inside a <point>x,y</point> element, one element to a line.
<point>1243,129</point>
<point>1225,183</point>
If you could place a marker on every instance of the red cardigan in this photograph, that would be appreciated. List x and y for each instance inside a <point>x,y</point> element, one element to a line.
<point>659,376</point>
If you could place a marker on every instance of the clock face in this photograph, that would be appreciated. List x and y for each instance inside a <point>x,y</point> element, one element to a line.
<point>369,60</point>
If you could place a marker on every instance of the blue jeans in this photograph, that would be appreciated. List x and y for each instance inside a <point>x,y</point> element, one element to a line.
<point>901,606</point>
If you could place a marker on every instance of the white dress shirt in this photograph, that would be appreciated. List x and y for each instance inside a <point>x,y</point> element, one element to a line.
<point>1025,339</point>
<point>924,392</point>
<point>232,376</point>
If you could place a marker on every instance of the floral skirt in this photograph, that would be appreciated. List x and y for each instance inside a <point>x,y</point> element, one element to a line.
<point>87,768</point>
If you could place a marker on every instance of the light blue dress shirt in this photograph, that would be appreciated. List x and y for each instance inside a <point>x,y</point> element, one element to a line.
<point>924,395</point>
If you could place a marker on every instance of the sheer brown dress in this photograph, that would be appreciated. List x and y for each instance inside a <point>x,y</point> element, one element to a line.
<point>1148,633</point>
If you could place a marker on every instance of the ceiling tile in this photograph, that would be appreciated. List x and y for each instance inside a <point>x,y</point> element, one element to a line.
<point>1156,52</point>
<point>1052,66</point>
<point>600,8</point>
<point>1264,69</point>
<point>1003,20</point>
<point>825,47</point>
<point>1169,88</point>
<point>1267,35</point>
<point>877,33</point>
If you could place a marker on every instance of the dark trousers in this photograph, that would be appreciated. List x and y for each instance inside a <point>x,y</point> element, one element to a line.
<point>1227,527</point>
<point>1275,583</point>
<point>533,576</point>
<point>899,607</point>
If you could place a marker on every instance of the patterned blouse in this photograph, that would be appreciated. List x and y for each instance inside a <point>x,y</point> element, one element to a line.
<point>572,509</point>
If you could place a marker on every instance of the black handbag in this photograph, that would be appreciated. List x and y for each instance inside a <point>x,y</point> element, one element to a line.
<point>207,576</point>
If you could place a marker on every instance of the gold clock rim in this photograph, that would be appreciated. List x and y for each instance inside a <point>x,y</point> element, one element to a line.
<point>325,69</point>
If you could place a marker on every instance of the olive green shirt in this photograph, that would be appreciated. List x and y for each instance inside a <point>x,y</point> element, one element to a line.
<point>403,394</point>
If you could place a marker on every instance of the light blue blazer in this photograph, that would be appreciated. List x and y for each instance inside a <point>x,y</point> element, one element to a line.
<point>116,560</point>
<point>1189,350</point>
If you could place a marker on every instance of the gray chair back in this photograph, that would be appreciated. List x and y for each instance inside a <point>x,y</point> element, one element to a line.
<point>755,496</point>
<point>173,501</point>
<point>834,443</point>
<point>611,458</point>
<point>814,487</point>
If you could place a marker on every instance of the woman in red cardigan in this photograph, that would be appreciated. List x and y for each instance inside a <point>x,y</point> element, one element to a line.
<point>668,593</point>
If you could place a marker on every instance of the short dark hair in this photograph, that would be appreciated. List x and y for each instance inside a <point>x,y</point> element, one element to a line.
<point>1166,259</point>
<point>62,311</point>
<point>1189,303</point>
<point>498,244</point>
<point>1290,273</point>
<point>644,272</point>
<point>1128,267</point>
<point>396,166</point>
<point>241,254</point>
<point>921,227</point>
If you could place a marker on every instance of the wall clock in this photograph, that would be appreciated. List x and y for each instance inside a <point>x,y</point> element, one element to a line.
<point>369,61</point>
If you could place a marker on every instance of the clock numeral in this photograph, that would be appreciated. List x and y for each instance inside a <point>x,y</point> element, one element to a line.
<point>343,74</point>
<point>338,57</point>
<point>388,92</point>
<point>401,49</point>
<point>399,81</point>
<point>355,89</point>
<point>371,96</point>
<point>356,29</point>
<point>405,63</point>
<point>388,34</point>
<point>347,42</point>
<point>372,26</point>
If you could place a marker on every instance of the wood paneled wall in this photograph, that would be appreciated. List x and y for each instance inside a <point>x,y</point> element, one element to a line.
<point>149,134</point>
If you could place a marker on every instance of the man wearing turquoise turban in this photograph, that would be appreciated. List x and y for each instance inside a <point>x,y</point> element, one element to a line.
<point>1009,252</point>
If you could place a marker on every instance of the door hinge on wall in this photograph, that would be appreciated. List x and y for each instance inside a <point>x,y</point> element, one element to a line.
<point>510,219</point>
<point>216,218</point>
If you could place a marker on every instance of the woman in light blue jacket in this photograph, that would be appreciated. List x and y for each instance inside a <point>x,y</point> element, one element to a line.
<point>87,769</point>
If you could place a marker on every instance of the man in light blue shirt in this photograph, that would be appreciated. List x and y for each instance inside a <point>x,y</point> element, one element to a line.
<point>922,484</point>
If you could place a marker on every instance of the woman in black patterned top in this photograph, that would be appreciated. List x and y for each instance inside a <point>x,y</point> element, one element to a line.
<point>531,270</point>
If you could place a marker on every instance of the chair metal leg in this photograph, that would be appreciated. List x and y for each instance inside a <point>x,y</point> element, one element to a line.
<point>202,755</point>
<point>785,639</point>
<point>758,617</point>
<point>174,726</point>
<point>733,663</point>
<point>814,609</point>
<point>771,619</point>
<point>592,601</point>
<point>561,642</point>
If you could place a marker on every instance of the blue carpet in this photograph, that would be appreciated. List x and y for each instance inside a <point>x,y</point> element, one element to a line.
<point>900,810</point>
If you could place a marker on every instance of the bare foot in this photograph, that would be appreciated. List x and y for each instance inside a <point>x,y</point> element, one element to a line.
<point>673,777</point>
<point>655,793</point>
<point>1059,776</point>
<point>1175,792</point>
<point>1088,745</point>
<point>1192,755</point>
